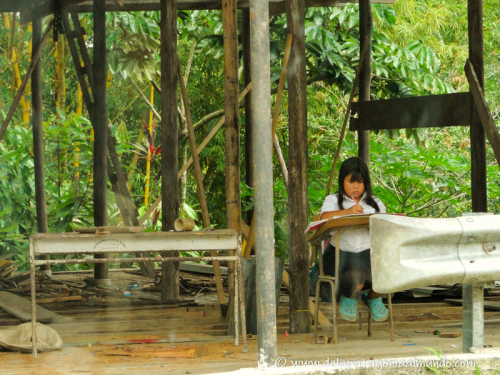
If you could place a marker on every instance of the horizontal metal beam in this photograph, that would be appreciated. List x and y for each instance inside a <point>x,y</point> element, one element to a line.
<point>76,243</point>
<point>415,112</point>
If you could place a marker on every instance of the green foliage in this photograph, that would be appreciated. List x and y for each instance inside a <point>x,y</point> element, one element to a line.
<point>418,48</point>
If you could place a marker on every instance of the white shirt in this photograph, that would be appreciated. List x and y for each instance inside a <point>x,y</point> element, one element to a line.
<point>352,240</point>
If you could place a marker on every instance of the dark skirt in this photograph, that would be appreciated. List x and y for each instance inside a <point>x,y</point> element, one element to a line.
<point>354,269</point>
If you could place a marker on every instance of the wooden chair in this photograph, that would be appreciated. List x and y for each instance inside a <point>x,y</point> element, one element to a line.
<point>333,281</point>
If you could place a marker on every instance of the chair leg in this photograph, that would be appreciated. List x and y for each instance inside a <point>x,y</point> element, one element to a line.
<point>316,310</point>
<point>391,322</point>
<point>334,306</point>
<point>360,321</point>
<point>369,324</point>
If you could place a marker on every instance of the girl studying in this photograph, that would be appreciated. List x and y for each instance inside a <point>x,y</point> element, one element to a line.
<point>353,197</point>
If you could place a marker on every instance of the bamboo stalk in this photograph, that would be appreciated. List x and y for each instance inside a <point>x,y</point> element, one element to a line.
<point>190,161</point>
<point>20,92</point>
<point>25,103</point>
<point>150,154</point>
<point>346,117</point>
<point>199,183</point>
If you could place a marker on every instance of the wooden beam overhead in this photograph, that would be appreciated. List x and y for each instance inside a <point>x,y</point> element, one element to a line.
<point>415,112</point>
<point>46,7</point>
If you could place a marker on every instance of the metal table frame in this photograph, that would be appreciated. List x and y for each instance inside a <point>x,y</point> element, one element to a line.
<point>76,243</point>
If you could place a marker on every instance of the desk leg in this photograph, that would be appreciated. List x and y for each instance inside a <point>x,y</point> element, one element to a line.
<point>33,305</point>
<point>235,308</point>
<point>242,304</point>
<point>337,261</point>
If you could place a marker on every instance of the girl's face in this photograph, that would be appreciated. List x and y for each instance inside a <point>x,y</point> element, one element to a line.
<point>353,189</point>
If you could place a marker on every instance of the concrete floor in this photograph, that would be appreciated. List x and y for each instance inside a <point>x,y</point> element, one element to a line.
<point>222,356</point>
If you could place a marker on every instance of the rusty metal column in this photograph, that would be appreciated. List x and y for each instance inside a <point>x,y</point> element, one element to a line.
<point>38,155</point>
<point>365,77</point>
<point>100,121</point>
<point>169,141</point>
<point>263,173</point>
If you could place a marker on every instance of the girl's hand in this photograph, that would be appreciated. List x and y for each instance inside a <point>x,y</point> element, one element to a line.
<point>356,209</point>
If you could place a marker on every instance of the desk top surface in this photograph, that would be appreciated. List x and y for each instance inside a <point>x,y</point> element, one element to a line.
<point>359,221</point>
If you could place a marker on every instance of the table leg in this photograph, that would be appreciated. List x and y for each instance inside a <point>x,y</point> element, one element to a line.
<point>33,304</point>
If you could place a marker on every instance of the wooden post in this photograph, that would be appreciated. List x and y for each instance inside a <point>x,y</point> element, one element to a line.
<point>38,154</point>
<point>249,159</point>
<point>100,121</point>
<point>232,131</point>
<point>365,36</point>
<point>477,136</point>
<point>169,140</point>
<point>297,169</point>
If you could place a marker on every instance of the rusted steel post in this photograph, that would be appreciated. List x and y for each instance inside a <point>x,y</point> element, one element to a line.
<point>37,120</point>
<point>231,113</point>
<point>297,170</point>
<point>477,136</point>
<point>245,41</point>
<point>365,36</point>
<point>263,172</point>
<point>100,121</point>
<point>169,140</point>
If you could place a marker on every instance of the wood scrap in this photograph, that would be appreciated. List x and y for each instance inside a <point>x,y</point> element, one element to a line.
<point>21,308</point>
<point>60,299</point>
<point>152,351</point>
<point>200,268</point>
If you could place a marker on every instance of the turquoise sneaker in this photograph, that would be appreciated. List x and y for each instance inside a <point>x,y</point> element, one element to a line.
<point>348,308</point>
<point>377,308</point>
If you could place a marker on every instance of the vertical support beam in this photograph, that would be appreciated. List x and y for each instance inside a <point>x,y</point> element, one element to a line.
<point>473,294</point>
<point>37,121</point>
<point>247,77</point>
<point>477,137</point>
<point>297,170</point>
<point>365,36</point>
<point>232,131</point>
<point>263,172</point>
<point>100,121</point>
<point>473,316</point>
<point>169,140</point>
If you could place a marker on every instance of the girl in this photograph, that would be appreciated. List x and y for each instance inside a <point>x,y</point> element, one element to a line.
<point>354,197</point>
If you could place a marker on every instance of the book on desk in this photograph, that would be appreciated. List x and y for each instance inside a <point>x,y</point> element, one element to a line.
<point>320,227</point>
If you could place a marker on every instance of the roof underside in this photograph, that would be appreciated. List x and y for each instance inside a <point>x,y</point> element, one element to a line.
<point>46,7</point>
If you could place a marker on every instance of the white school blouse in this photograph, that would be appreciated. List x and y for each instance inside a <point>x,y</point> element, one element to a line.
<point>352,240</point>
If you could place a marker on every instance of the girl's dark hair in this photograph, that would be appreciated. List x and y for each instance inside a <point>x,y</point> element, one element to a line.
<point>357,168</point>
